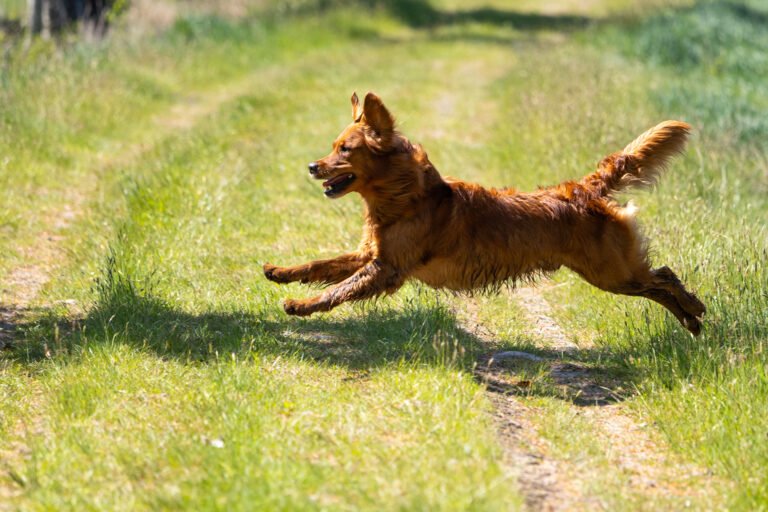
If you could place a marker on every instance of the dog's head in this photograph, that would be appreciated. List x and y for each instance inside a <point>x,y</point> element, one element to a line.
<point>359,153</point>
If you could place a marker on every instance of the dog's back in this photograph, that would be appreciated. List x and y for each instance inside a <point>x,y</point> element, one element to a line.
<point>499,235</point>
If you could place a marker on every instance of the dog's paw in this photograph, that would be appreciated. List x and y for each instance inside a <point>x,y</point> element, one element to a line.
<point>699,309</point>
<point>272,273</point>
<point>693,325</point>
<point>296,308</point>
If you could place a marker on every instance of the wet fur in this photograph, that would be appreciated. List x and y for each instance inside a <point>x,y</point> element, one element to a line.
<point>459,236</point>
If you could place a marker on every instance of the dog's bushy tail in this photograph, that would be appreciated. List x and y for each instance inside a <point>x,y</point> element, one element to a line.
<point>640,163</point>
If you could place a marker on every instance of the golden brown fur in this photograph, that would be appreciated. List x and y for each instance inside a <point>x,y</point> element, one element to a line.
<point>459,236</point>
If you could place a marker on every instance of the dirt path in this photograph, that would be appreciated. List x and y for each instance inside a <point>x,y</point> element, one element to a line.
<point>541,325</point>
<point>633,448</point>
<point>542,480</point>
<point>22,284</point>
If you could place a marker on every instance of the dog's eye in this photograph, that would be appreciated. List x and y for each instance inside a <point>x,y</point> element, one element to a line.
<point>344,149</point>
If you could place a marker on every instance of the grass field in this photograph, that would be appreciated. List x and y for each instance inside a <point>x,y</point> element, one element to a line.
<point>146,179</point>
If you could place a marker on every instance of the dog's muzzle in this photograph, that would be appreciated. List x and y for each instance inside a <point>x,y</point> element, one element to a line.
<point>338,184</point>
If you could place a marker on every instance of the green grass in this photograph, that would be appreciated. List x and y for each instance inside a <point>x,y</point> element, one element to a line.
<point>137,432</point>
<point>13,9</point>
<point>177,382</point>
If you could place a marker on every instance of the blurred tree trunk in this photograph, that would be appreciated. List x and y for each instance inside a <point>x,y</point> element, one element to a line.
<point>94,16</point>
<point>47,17</point>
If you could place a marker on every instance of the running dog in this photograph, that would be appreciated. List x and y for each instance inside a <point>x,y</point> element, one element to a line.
<point>459,236</point>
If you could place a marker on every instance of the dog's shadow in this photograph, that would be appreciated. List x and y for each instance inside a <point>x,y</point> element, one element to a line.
<point>378,336</point>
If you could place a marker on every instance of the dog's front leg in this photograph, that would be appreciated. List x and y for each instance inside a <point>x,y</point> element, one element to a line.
<point>329,271</point>
<point>375,278</point>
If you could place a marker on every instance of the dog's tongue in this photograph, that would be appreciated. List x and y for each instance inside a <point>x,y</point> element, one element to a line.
<point>333,181</point>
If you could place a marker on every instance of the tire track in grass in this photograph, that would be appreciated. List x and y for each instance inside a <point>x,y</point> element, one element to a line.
<point>644,463</point>
<point>21,286</point>
<point>537,309</point>
<point>649,470</point>
<point>632,446</point>
<point>541,478</point>
<point>584,385</point>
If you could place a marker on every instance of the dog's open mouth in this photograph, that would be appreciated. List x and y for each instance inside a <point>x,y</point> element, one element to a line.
<point>337,184</point>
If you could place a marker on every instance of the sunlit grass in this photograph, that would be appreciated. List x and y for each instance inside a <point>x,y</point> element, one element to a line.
<point>178,382</point>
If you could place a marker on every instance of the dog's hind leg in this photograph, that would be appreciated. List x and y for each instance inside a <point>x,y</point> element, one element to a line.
<point>667,299</point>
<point>616,261</point>
<point>660,285</point>
<point>635,278</point>
<point>665,279</point>
<point>329,271</point>
<point>372,280</point>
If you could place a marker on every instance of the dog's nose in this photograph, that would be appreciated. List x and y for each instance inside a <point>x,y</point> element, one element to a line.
<point>313,168</point>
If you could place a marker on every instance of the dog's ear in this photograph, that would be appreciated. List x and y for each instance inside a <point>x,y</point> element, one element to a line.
<point>376,114</point>
<point>357,110</point>
<point>379,120</point>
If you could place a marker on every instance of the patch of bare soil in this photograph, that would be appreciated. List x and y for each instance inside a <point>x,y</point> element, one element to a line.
<point>638,453</point>
<point>22,284</point>
<point>634,448</point>
<point>547,482</point>
<point>542,479</point>
<point>542,326</point>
